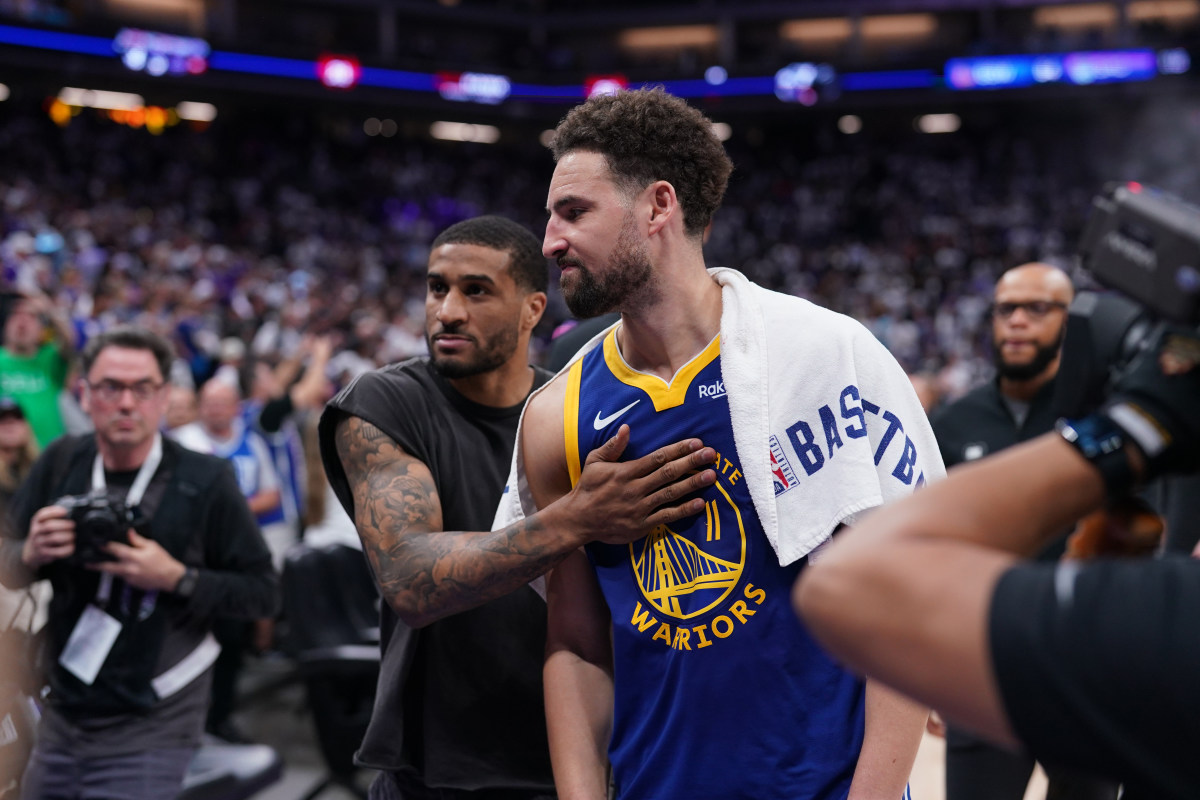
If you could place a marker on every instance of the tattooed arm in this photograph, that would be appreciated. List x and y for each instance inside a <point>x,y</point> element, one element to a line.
<point>426,573</point>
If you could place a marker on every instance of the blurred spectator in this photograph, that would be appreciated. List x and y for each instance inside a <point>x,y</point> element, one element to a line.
<point>240,233</point>
<point>927,390</point>
<point>228,437</point>
<point>33,371</point>
<point>18,451</point>
<point>181,407</point>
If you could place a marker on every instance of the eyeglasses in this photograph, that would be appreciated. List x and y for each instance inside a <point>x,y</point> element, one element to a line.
<point>110,391</point>
<point>1034,309</point>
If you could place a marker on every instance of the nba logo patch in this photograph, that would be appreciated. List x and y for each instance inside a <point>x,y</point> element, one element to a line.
<point>781,471</point>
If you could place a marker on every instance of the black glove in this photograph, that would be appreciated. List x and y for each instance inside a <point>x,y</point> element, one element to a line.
<point>1156,402</point>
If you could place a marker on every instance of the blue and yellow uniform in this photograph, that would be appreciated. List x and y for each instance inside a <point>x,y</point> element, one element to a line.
<point>720,691</point>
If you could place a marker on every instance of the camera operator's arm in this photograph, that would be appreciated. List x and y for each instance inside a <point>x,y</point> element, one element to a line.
<point>905,596</point>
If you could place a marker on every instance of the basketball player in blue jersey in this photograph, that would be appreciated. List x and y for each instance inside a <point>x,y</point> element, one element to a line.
<point>676,658</point>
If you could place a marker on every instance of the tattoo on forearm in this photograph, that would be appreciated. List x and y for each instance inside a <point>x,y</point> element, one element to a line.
<point>423,571</point>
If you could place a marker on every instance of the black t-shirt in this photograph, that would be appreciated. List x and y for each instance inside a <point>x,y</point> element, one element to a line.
<point>459,702</point>
<point>981,423</point>
<point>1097,664</point>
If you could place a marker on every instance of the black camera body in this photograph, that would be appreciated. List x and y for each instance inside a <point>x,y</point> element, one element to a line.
<point>99,519</point>
<point>1146,245</point>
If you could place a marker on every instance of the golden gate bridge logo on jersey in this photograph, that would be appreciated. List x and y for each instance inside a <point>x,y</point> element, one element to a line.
<point>685,579</point>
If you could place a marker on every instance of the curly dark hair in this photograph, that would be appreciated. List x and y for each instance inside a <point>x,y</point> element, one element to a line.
<point>648,135</point>
<point>528,267</point>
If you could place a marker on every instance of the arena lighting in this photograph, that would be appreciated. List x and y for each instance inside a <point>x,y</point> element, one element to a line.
<point>338,72</point>
<point>464,132</point>
<point>546,137</point>
<point>849,124</point>
<point>800,83</point>
<point>1074,17</point>
<point>97,98</point>
<point>891,79</point>
<point>161,53</point>
<point>817,31</point>
<point>1174,62</point>
<point>1165,11</point>
<point>897,26</point>
<point>388,128</point>
<point>4,92</point>
<point>938,123</point>
<point>604,84</point>
<point>1170,62</point>
<point>668,38</point>
<point>196,112</point>
<point>53,40</point>
<point>716,75</point>
<point>1081,69</point>
<point>473,87</point>
<point>722,131</point>
<point>372,126</point>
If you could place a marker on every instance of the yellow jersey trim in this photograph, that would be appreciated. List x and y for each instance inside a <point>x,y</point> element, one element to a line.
<point>571,421</point>
<point>664,395</point>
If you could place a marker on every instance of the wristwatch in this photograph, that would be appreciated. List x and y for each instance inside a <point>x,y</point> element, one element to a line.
<point>187,584</point>
<point>1102,442</point>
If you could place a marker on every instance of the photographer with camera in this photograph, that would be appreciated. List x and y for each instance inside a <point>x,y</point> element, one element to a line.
<point>1087,664</point>
<point>144,542</point>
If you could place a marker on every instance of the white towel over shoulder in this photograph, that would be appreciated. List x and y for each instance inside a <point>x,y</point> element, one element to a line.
<point>826,423</point>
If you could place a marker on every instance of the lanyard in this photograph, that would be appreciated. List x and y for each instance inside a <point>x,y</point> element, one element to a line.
<point>140,482</point>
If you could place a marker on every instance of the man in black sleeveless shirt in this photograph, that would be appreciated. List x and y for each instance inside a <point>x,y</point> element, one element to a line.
<point>418,453</point>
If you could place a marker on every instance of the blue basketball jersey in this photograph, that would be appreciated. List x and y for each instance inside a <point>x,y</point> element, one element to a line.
<point>720,691</point>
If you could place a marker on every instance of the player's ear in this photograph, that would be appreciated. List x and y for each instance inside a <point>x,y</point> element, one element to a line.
<point>663,205</point>
<point>534,307</point>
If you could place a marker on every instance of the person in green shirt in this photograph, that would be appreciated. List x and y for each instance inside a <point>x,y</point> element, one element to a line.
<point>33,370</point>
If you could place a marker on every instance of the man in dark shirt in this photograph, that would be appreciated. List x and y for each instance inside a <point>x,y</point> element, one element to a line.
<point>129,639</point>
<point>1029,319</point>
<point>418,453</point>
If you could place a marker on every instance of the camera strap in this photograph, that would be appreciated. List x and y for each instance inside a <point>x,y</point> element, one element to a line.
<point>96,632</point>
<point>137,491</point>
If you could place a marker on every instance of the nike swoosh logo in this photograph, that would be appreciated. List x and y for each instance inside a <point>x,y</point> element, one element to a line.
<point>600,423</point>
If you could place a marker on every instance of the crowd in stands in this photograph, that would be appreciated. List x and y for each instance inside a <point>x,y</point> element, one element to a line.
<point>238,240</point>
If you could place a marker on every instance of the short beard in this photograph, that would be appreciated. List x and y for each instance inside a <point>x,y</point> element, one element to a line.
<point>492,355</point>
<point>629,274</point>
<point>1042,358</point>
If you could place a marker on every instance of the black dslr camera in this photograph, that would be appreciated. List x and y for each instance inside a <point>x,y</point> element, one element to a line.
<point>99,519</point>
<point>1145,244</point>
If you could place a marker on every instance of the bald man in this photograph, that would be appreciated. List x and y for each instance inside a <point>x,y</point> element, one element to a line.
<point>1029,319</point>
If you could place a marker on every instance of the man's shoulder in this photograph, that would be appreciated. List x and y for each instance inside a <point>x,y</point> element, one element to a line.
<point>400,399</point>
<point>196,468</point>
<point>411,379</point>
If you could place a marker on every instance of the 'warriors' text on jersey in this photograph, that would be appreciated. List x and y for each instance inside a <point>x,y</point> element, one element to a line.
<point>720,691</point>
